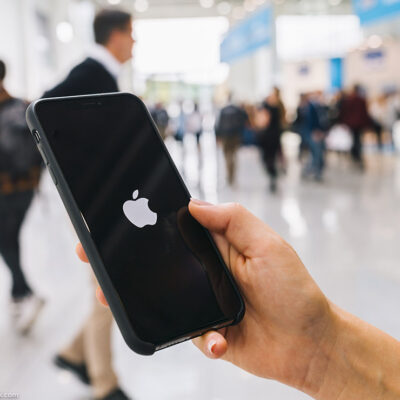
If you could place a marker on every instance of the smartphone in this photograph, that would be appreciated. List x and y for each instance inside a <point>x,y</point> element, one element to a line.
<point>159,269</point>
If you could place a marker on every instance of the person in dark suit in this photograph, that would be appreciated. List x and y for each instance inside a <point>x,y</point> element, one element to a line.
<point>89,356</point>
<point>99,72</point>
<point>88,77</point>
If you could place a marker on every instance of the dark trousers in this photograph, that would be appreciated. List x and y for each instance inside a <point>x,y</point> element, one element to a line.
<point>356,150</point>
<point>270,158</point>
<point>317,162</point>
<point>378,129</point>
<point>13,208</point>
<point>270,148</point>
<point>230,146</point>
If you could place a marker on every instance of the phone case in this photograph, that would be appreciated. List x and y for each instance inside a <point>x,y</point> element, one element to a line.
<point>132,340</point>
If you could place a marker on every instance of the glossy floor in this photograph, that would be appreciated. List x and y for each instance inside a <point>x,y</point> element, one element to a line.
<point>345,229</point>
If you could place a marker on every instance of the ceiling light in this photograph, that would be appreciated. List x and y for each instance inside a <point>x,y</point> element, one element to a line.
<point>141,5</point>
<point>64,32</point>
<point>114,2</point>
<point>224,8</point>
<point>375,41</point>
<point>206,3</point>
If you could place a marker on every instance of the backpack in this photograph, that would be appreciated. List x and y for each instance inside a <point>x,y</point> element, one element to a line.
<point>18,152</point>
<point>161,118</point>
<point>231,122</point>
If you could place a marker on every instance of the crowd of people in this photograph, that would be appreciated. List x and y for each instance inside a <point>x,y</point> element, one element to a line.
<point>323,122</point>
<point>88,355</point>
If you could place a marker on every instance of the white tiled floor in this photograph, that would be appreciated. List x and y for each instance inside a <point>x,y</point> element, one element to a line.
<point>346,230</point>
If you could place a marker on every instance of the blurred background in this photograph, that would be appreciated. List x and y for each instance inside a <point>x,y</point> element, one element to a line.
<point>290,107</point>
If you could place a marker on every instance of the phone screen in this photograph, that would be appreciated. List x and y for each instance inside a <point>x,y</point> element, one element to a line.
<point>160,261</point>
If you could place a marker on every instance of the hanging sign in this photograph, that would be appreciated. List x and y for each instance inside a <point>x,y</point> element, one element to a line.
<point>370,11</point>
<point>248,36</point>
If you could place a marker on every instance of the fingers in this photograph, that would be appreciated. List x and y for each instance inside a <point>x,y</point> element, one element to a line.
<point>81,253</point>
<point>244,231</point>
<point>212,344</point>
<point>100,297</point>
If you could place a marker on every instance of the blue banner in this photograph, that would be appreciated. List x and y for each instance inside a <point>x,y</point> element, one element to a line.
<point>248,36</point>
<point>376,10</point>
<point>336,72</point>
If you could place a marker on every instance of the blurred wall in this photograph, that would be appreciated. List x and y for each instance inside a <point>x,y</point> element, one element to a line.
<point>40,40</point>
<point>375,68</point>
<point>304,77</point>
<point>251,78</point>
<point>12,49</point>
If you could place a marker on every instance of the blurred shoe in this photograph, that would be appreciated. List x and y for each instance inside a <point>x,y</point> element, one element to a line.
<point>78,370</point>
<point>25,312</point>
<point>117,394</point>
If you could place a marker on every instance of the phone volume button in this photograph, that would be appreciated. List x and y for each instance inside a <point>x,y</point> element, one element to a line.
<point>36,135</point>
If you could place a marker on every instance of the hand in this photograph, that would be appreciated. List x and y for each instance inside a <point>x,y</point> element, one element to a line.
<point>288,320</point>
<point>291,332</point>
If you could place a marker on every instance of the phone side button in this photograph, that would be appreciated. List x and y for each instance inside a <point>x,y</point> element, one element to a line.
<point>36,135</point>
<point>53,176</point>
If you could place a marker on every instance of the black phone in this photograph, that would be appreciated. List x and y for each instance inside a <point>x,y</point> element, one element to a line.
<point>159,269</point>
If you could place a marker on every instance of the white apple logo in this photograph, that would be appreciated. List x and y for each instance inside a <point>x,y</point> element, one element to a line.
<point>138,211</point>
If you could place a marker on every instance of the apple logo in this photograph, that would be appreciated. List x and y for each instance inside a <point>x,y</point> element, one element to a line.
<point>138,211</point>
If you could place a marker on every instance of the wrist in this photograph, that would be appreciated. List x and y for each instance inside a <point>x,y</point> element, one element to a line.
<point>320,372</point>
<point>332,369</point>
<point>355,360</point>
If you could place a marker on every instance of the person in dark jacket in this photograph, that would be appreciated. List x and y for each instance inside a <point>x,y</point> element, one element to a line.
<point>20,167</point>
<point>353,112</point>
<point>89,355</point>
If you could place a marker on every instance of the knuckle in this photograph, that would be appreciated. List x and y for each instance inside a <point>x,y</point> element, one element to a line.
<point>237,208</point>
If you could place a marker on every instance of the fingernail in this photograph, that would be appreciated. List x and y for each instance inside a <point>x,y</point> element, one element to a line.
<point>211,346</point>
<point>200,202</point>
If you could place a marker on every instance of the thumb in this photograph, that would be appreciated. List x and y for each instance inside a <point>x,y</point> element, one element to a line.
<point>244,231</point>
<point>212,344</point>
